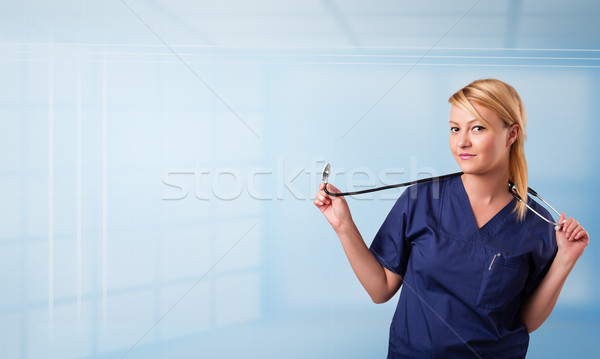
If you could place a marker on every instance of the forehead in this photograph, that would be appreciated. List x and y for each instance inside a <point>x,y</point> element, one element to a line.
<point>461,116</point>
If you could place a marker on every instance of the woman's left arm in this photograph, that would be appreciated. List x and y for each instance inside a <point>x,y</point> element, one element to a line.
<point>572,240</point>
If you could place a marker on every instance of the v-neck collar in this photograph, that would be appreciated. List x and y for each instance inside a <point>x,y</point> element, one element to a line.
<point>492,222</point>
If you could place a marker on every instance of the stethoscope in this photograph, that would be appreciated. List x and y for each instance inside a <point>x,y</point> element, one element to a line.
<point>511,188</point>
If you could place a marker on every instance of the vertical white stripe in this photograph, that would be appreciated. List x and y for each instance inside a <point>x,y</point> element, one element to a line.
<point>78,254</point>
<point>104,191</point>
<point>51,196</point>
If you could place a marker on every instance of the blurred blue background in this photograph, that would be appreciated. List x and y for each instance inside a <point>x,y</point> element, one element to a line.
<point>159,159</point>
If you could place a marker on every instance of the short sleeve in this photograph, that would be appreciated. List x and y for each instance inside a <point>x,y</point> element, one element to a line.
<point>390,245</point>
<point>541,257</point>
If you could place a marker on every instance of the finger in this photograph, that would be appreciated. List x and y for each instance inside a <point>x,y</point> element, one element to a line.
<point>574,230</point>
<point>582,236</point>
<point>573,234</point>
<point>322,189</point>
<point>570,226</point>
<point>566,224</point>
<point>321,202</point>
<point>322,197</point>
<point>578,232</point>
<point>585,237</point>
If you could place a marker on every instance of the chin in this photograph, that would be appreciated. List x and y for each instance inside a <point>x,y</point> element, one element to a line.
<point>469,170</point>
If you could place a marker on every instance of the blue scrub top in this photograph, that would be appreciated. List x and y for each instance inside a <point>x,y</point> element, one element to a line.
<point>462,285</point>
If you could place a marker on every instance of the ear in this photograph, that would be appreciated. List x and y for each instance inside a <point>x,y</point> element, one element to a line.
<point>513,132</point>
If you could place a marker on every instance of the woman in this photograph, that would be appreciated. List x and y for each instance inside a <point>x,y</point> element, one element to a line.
<point>480,271</point>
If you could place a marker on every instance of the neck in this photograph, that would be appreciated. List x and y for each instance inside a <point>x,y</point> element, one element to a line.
<point>487,187</point>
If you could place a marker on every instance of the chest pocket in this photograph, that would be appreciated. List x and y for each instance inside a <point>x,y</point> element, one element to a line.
<point>502,281</point>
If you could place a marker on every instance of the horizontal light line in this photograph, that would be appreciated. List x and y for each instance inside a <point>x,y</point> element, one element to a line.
<point>304,63</point>
<point>295,47</point>
<point>306,55</point>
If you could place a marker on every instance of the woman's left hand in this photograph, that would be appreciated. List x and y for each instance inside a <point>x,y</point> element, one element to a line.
<point>571,238</point>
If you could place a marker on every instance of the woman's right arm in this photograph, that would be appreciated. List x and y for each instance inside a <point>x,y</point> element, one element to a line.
<point>380,283</point>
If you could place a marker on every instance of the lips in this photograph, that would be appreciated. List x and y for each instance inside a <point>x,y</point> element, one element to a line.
<point>466,156</point>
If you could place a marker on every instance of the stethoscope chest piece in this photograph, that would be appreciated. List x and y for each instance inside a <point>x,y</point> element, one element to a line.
<point>325,175</point>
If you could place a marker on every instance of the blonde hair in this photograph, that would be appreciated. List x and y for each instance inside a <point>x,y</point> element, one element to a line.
<point>504,101</point>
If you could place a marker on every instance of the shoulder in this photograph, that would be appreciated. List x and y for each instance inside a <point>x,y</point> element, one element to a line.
<point>426,194</point>
<point>533,220</point>
<point>431,189</point>
<point>537,229</point>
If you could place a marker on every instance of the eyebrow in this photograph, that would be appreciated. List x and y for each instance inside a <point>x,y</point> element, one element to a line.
<point>473,120</point>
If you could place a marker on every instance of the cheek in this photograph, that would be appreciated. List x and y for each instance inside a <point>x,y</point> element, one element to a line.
<point>495,147</point>
<point>487,145</point>
<point>453,143</point>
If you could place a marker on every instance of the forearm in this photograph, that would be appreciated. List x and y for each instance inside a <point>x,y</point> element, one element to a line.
<point>368,270</point>
<point>541,303</point>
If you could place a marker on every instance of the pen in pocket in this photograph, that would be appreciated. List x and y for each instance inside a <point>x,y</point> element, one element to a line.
<point>493,260</point>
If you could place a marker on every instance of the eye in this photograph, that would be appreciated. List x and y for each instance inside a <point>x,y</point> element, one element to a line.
<point>478,128</point>
<point>453,129</point>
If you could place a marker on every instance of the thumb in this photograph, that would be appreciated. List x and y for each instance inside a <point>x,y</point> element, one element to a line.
<point>332,188</point>
<point>561,218</point>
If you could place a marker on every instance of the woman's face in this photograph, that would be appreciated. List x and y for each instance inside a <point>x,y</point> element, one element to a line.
<point>477,147</point>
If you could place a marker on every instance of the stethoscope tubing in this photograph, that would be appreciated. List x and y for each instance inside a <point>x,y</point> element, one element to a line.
<point>437,178</point>
<point>341,194</point>
<point>534,193</point>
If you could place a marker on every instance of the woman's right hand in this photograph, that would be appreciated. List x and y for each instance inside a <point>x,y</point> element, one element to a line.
<point>334,208</point>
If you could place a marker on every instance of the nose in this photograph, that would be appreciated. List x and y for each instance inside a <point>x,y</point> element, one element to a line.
<point>464,141</point>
